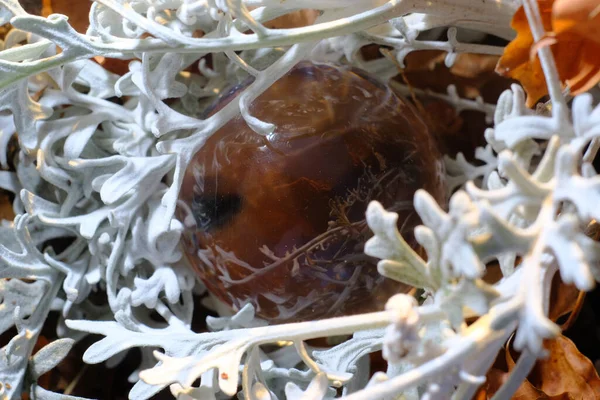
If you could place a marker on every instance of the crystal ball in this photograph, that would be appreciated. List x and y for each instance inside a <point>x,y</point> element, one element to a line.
<point>278,221</point>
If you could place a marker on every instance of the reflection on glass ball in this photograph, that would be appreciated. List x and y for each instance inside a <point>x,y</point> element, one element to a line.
<point>279,221</point>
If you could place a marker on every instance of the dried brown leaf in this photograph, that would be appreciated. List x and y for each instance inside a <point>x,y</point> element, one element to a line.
<point>565,374</point>
<point>516,62</point>
<point>577,16</point>
<point>563,299</point>
<point>473,65</point>
<point>573,34</point>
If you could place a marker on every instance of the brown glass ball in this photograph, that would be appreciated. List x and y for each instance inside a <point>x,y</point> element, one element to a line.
<point>278,221</point>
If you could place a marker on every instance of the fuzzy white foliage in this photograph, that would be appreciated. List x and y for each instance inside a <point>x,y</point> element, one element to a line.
<point>94,171</point>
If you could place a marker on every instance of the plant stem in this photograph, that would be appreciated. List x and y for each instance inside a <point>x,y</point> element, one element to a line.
<point>559,105</point>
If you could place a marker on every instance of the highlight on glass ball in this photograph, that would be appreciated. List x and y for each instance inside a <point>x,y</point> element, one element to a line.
<point>278,221</point>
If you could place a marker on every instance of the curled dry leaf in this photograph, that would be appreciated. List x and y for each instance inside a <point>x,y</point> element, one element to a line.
<point>564,374</point>
<point>566,371</point>
<point>573,33</point>
<point>564,299</point>
<point>577,16</point>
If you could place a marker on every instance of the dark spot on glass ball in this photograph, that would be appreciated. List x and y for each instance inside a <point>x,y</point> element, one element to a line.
<point>214,212</point>
<point>279,221</point>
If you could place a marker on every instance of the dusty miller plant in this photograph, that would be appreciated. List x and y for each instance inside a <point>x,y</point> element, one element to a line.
<point>106,176</point>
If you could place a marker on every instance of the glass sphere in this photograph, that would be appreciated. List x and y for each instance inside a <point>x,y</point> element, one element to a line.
<point>278,221</point>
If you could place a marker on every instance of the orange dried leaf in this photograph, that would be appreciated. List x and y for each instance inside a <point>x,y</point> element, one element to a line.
<point>577,16</point>
<point>573,34</point>
<point>577,24</point>
<point>516,62</point>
